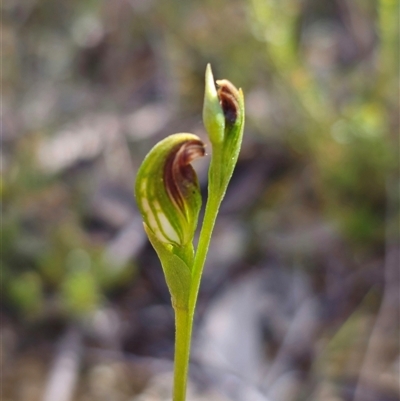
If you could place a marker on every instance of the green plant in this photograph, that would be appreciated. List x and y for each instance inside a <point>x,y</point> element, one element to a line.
<point>169,199</point>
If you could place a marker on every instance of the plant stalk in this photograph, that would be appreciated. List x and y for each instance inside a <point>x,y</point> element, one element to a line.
<point>183,331</point>
<point>210,216</point>
<point>184,318</point>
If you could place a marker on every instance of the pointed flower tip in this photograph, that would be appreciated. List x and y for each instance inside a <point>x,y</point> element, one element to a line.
<point>167,190</point>
<point>210,83</point>
<point>213,116</point>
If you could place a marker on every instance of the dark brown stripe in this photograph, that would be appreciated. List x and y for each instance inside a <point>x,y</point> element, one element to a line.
<point>178,173</point>
<point>228,97</point>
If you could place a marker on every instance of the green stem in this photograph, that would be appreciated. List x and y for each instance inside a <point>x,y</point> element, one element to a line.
<point>210,216</point>
<point>184,318</point>
<point>183,325</point>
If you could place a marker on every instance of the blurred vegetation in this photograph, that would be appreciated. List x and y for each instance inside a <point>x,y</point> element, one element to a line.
<point>326,73</point>
<point>321,86</point>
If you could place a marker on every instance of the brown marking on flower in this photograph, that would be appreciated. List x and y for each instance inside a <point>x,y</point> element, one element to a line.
<point>228,97</point>
<point>179,175</point>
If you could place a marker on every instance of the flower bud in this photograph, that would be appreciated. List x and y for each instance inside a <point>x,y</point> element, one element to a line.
<point>167,190</point>
<point>223,117</point>
<point>223,108</point>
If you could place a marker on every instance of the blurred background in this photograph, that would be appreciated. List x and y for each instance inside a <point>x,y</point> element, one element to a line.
<point>300,294</point>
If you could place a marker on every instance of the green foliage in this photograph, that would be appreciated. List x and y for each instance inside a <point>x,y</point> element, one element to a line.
<point>26,292</point>
<point>347,137</point>
<point>46,255</point>
<point>80,292</point>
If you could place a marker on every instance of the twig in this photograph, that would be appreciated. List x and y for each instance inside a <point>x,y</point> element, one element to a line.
<point>63,376</point>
